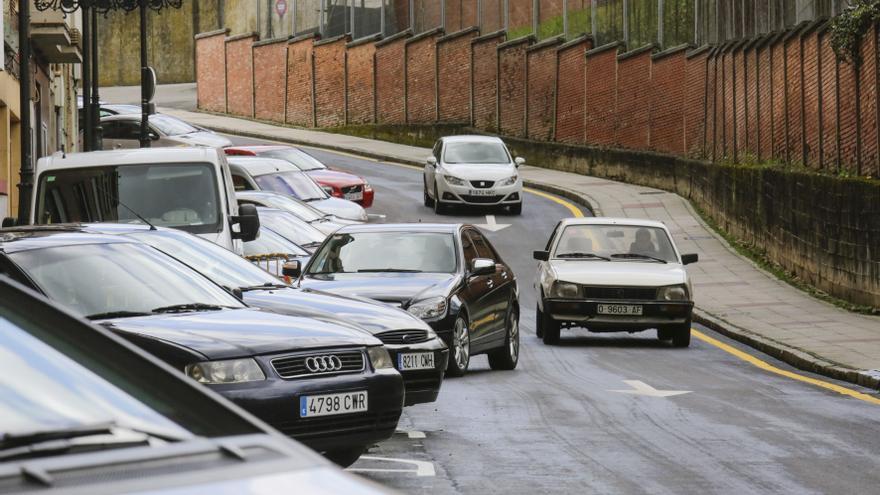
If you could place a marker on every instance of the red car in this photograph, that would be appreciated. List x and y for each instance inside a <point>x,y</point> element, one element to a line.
<point>337,183</point>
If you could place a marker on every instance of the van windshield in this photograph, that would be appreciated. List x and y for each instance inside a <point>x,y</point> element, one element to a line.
<point>181,196</point>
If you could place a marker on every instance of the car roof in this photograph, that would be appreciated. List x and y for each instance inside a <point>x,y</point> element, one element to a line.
<point>402,227</point>
<point>638,222</point>
<point>471,138</point>
<point>136,156</point>
<point>18,239</point>
<point>122,108</point>
<point>256,165</point>
<point>256,148</point>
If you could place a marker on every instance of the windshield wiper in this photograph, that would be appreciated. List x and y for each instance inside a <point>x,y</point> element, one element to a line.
<point>582,255</point>
<point>638,256</point>
<point>266,286</point>
<point>117,314</point>
<point>181,308</point>
<point>392,270</point>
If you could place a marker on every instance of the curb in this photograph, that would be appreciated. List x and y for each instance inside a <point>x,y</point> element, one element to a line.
<point>798,358</point>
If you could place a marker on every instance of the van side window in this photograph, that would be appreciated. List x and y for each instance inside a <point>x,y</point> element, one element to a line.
<point>240,183</point>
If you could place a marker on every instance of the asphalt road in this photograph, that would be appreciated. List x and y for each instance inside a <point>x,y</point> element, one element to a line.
<point>559,423</point>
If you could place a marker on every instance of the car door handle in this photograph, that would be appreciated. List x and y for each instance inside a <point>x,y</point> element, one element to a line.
<point>490,283</point>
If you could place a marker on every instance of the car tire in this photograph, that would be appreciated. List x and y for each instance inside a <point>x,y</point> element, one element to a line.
<point>551,329</point>
<point>516,209</point>
<point>460,350</point>
<point>539,322</point>
<point>429,202</point>
<point>344,457</point>
<point>438,205</point>
<point>507,356</point>
<point>681,335</point>
<point>665,334</point>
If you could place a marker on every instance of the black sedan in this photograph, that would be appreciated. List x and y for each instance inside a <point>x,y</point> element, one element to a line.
<point>417,352</point>
<point>331,387</point>
<point>448,275</point>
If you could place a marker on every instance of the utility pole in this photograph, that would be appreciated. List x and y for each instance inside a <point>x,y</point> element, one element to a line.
<point>26,182</point>
<point>97,139</point>
<point>87,81</point>
<point>145,114</point>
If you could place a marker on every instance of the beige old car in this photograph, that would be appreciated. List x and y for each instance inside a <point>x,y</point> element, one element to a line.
<point>613,275</point>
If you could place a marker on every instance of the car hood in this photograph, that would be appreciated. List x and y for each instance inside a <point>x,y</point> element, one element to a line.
<point>398,289</point>
<point>241,332</point>
<point>365,313</point>
<point>341,208</point>
<point>619,273</point>
<point>335,177</point>
<point>203,139</point>
<point>479,172</point>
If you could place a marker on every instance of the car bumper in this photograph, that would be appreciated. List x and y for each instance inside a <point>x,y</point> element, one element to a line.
<point>584,313</point>
<point>421,385</point>
<point>276,401</point>
<point>505,195</point>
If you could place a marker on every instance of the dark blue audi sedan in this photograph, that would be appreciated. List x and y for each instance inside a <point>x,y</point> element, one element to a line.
<point>332,387</point>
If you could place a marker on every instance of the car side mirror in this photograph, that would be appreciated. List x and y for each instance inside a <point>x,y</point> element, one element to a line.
<point>541,255</point>
<point>482,266</point>
<point>431,160</point>
<point>292,269</point>
<point>10,222</point>
<point>237,292</point>
<point>248,220</point>
<point>519,161</point>
<point>687,259</point>
<point>153,136</point>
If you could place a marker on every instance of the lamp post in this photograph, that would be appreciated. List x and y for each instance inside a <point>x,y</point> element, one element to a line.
<point>26,181</point>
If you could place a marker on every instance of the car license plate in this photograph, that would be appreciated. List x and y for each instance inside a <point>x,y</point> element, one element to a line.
<point>619,309</point>
<point>481,192</point>
<point>330,404</point>
<point>415,361</point>
<point>354,196</point>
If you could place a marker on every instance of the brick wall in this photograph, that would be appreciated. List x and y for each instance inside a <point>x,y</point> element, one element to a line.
<point>570,90</point>
<point>511,86</point>
<point>810,63</point>
<point>541,89</point>
<point>600,110</point>
<point>667,100</point>
<point>752,76</point>
<point>519,13</point>
<point>634,99</point>
<point>828,107</point>
<point>211,70</point>
<point>329,60</point>
<point>359,81</point>
<point>390,93</point>
<point>765,102</point>
<point>240,75</point>
<point>299,81</point>
<point>270,73</point>
<point>778,111</point>
<point>421,77</point>
<point>794,98</point>
<point>454,81</point>
<point>868,106</point>
<point>484,80</point>
<point>739,98</point>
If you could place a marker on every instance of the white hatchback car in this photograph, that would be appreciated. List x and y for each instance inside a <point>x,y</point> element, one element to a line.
<point>472,170</point>
<point>613,275</point>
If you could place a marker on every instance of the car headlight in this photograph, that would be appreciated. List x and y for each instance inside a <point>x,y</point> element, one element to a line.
<point>429,308</point>
<point>508,181</point>
<point>455,181</point>
<point>379,357</point>
<point>229,371</point>
<point>565,290</point>
<point>673,293</point>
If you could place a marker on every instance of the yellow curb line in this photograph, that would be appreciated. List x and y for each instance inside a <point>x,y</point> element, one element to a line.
<point>571,207</point>
<point>788,374</point>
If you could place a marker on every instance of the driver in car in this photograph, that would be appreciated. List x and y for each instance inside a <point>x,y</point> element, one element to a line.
<point>643,244</point>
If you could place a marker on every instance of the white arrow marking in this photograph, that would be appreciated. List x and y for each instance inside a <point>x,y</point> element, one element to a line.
<point>491,225</point>
<point>642,388</point>
<point>422,468</point>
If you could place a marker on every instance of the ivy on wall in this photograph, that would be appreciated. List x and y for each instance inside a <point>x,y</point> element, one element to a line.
<point>848,29</point>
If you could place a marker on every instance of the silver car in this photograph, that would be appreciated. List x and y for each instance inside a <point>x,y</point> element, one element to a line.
<point>124,130</point>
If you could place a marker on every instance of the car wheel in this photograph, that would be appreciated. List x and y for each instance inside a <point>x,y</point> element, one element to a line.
<point>438,205</point>
<point>506,357</point>
<point>428,201</point>
<point>344,457</point>
<point>681,335</point>
<point>516,209</point>
<point>665,334</point>
<point>539,322</point>
<point>461,348</point>
<point>551,329</point>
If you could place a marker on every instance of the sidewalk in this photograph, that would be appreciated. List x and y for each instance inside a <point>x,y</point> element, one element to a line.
<point>733,296</point>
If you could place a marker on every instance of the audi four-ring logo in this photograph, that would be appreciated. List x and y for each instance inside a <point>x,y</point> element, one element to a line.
<point>320,364</point>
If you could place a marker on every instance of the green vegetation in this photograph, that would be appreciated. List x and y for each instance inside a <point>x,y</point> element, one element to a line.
<point>848,29</point>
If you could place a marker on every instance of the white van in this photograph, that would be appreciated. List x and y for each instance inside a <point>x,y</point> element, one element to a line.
<point>184,188</point>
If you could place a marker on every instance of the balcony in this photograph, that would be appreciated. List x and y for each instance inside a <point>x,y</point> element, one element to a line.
<point>54,34</point>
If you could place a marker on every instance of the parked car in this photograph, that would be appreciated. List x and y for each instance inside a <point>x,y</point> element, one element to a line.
<point>613,275</point>
<point>324,222</point>
<point>272,174</point>
<point>290,227</point>
<point>269,250</point>
<point>129,109</point>
<point>330,386</point>
<point>184,188</point>
<point>123,130</point>
<point>448,275</point>
<point>83,410</point>
<point>338,184</point>
<point>415,349</point>
<point>472,171</point>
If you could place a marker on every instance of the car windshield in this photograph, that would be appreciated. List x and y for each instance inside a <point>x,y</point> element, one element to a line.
<point>298,158</point>
<point>99,279</point>
<point>297,184</point>
<point>180,195</point>
<point>171,126</point>
<point>476,153</point>
<point>401,252</point>
<point>269,243</point>
<point>290,227</point>
<point>615,242</point>
<point>218,264</point>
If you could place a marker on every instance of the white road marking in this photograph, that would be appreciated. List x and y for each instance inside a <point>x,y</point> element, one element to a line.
<point>491,225</point>
<point>415,434</point>
<point>642,388</point>
<point>423,468</point>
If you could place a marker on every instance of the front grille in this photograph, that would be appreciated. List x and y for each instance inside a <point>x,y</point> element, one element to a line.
<point>348,424</point>
<point>351,189</point>
<point>482,184</point>
<point>631,293</point>
<point>481,199</point>
<point>403,337</point>
<point>295,366</point>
